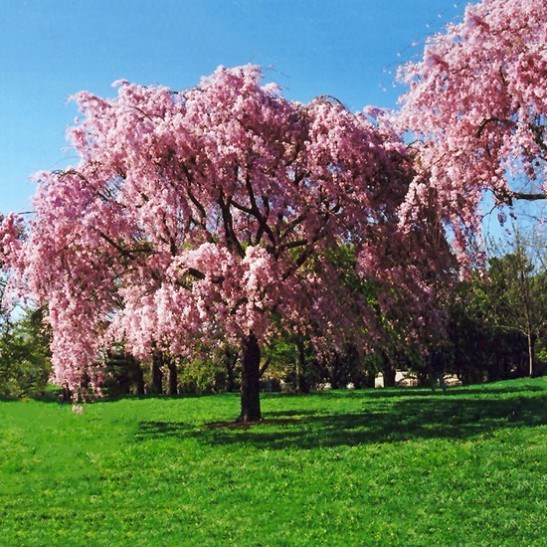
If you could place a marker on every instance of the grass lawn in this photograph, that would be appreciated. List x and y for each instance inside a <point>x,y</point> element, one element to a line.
<point>384,467</point>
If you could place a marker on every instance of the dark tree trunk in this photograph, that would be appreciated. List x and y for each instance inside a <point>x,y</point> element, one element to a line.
<point>389,376</point>
<point>302,385</point>
<point>66,395</point>
<point>421,378</point>
<point>250,386</point>
<point>388,372</point>
<point>173,376</point>
<point>157,374</point>
<point>370,380</point>
<point>230,360</point>
<point>139,377</point>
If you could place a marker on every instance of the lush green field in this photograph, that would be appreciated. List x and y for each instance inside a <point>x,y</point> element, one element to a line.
<point>393,467</point>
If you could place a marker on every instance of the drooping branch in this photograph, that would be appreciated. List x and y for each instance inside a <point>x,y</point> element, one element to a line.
<point>507,196</point>
<point>81,176</point>
<point>538,131</point>
<point>493,119</point>
<point>128,252</point>
<point>228,222</point>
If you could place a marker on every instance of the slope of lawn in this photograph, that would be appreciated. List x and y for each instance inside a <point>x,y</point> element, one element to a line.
<point>384,467</point>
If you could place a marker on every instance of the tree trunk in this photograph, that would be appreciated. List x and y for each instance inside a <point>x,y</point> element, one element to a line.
<point>531,364</point>
<point>139,380</point>
<point>66,395</point>
<point>157,375</point>
<point>173,376</point>
<point>250,386</point>
<point>302,385</point>
<point>388,371</point>
<point>370,379</point>
<point>421,378</point>
<point>230,360</point>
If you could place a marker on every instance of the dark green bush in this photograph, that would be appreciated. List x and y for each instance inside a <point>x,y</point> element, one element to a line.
<point>25,365</point>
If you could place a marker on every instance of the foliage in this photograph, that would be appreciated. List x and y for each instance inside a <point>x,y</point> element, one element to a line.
<point>477,106</point>
<point>24,356</point>
<point>498,317</point>
<point>518,294</point>
<point>480,349</point>
<point>388,467</point>
<point>123,373</point>
<point>198,376</point>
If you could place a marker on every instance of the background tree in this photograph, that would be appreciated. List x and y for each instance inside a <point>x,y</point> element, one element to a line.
<point>24,355</point>
<point>123,373</point>
<point>207,217</point>
<point>497,317</point>
<point>518,292</point>
<point>476,107</point>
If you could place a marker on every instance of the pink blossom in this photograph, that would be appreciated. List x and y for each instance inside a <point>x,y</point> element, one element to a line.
<point>476,105</point>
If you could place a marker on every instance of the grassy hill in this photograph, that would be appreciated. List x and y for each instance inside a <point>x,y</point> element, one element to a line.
<point>384,467</point>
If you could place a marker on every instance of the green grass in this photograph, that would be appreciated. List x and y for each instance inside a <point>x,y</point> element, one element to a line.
<point>393,467</point>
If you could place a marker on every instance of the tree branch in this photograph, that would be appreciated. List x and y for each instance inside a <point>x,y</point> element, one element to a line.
<point>264,366</point>
<point>228,221</point>
<point>507,196</point>
<point>493,119</point>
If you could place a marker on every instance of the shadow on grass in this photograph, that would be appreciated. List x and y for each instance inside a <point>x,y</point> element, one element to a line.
<point>160,430</point>
<point>410,392</point>
<point>380,422</point>
<point>290,413</point>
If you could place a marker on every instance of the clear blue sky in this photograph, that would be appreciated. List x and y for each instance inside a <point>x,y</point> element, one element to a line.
<point>50,49</point>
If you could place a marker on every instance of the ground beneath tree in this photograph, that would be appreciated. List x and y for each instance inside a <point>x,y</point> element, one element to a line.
<point>380,467</point>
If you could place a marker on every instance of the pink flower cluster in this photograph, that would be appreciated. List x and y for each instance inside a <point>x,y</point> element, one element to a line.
<point>477,105</point>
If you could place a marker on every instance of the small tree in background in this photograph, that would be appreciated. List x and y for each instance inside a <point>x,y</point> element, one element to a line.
<point>497,318</point>
<point>25,364</point>
<point>518,291</point>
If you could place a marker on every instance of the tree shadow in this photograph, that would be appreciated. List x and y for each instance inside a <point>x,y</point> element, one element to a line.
<point>402,421</point>
<point>413,414</point>
<point>290,413</point>
<point>158,429</point>
<point>161,430</point>
<point>410,392</point>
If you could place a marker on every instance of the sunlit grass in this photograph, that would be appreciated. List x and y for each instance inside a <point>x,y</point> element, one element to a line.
<point>393,467</point>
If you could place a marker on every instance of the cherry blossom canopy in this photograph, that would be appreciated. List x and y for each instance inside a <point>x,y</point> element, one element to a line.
<point>211,216</point>
<point>477,109</point>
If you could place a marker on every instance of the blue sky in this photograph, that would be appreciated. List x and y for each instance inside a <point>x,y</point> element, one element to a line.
<point>50,49</point>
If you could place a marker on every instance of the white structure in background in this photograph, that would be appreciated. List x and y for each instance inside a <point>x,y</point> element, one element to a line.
<point>407,379</point>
